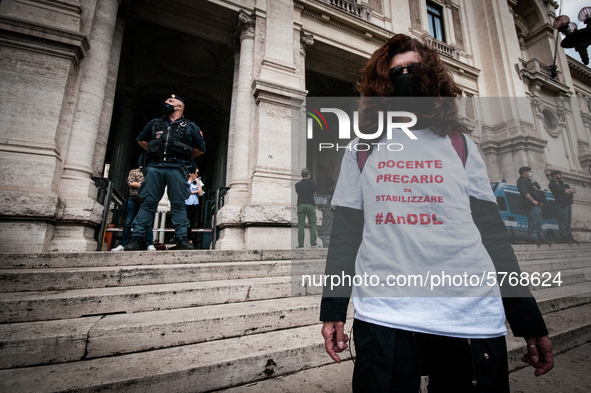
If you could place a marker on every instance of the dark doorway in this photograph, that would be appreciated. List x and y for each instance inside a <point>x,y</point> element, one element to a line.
<point>157,61</point>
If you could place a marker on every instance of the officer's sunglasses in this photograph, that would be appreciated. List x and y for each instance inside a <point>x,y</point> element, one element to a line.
<point>410,68</point>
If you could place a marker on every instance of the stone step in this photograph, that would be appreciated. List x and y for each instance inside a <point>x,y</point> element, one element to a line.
<point>553,247</point>
<point>22,280</point>
<point>236,361</point>
<point>546,252</point>
<point>65,304</point>
<point>53,305</point>
<point>50,342</point>
<point>58,279</point>
<point>37,343</point>
<point>54,279</point>
<point>102,259</point>
<point>560,298</point>
<point>567,329</point>
<point>562,278</point>
<point>315,379</point>
<point>553,265</point>
<point>197,368</point>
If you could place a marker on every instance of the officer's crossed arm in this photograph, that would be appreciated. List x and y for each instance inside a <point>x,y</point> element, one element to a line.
<point>198,141</point>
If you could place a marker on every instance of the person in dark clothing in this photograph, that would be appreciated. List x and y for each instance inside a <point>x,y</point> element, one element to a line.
<point>458,340</point>
<point>563,195</point>
<point>306,189</point>
<point>171,142</point>
<point>134,180</point>
<point>533,200</point>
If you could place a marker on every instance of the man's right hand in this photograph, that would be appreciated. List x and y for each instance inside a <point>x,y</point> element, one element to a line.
<point>536,203</point>
<point>335,339</point>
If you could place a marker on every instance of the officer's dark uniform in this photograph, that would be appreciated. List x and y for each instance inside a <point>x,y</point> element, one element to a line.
<point>170,154</point>
<point>562,208</point>
<point>534,213</point>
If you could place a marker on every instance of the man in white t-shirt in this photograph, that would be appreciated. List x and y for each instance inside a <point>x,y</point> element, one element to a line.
<point>424,210</point>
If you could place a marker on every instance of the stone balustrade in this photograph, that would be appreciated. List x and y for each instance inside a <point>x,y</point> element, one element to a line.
<point>443,48</point>
<point>352,7</point>
<point>534,66</point>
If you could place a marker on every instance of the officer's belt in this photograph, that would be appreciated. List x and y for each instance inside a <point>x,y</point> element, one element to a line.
<point>172,160</point>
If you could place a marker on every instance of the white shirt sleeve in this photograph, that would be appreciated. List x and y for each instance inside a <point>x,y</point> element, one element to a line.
<point>348,192</point>
<point>476,169</point>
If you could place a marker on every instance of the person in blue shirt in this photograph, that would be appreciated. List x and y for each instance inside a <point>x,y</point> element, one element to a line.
<point>192,203</point>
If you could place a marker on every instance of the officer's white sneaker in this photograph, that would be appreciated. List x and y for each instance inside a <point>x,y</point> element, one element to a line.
<point>151,248</point>
<point>118,248</point>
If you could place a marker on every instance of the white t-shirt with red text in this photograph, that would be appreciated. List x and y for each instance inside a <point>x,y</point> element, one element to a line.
<point>418,223</point>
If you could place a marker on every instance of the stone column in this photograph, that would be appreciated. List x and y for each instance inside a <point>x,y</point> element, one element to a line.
<point>232,234</point>
<point>75,231</point>
<point>107,113</point>
<point>238,194</point>
<point>306,40</point>
<point>230,154</point>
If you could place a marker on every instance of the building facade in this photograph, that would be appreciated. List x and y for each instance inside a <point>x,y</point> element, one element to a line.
<point>80,78</point>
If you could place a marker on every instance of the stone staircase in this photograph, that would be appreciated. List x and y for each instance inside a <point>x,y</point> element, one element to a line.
<point>198,321</point>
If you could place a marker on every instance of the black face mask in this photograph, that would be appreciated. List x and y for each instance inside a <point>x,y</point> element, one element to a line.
<point>168,109</point>
<point>406,85</point>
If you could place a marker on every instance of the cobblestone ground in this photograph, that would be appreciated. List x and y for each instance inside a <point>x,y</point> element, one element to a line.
<point>572,373</point>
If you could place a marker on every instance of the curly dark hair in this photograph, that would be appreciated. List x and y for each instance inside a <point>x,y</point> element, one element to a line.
<point>435,80</point>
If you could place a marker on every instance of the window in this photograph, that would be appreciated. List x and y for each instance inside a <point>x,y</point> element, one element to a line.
<point>549,119</point>
<point>502,204</point>
<point>435,16</point>
<point>515,203</point>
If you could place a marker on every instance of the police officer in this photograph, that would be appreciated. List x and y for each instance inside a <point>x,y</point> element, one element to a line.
<point>533,199</point>
<point>563,195</point>
<point>171,142</point>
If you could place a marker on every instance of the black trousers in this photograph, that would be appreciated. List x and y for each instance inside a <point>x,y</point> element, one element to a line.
<point>191,213</point>
<point>393,360</point>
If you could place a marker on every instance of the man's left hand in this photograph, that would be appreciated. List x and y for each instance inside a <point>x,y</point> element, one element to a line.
<point>539,354</point>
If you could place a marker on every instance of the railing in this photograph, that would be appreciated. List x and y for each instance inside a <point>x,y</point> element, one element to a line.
<point>324,229</point>
<point>107,193</point>
<point>534,66</point>
<point>352,7</point>
<point>443,48</point>
<point>220,196</point>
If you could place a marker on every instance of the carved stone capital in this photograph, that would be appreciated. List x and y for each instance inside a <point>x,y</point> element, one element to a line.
<point>306,40</point>
<point>245,28</point>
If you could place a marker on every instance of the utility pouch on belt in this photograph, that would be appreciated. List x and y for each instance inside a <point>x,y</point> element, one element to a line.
<point>182,151</point>
<point>153,149</point>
